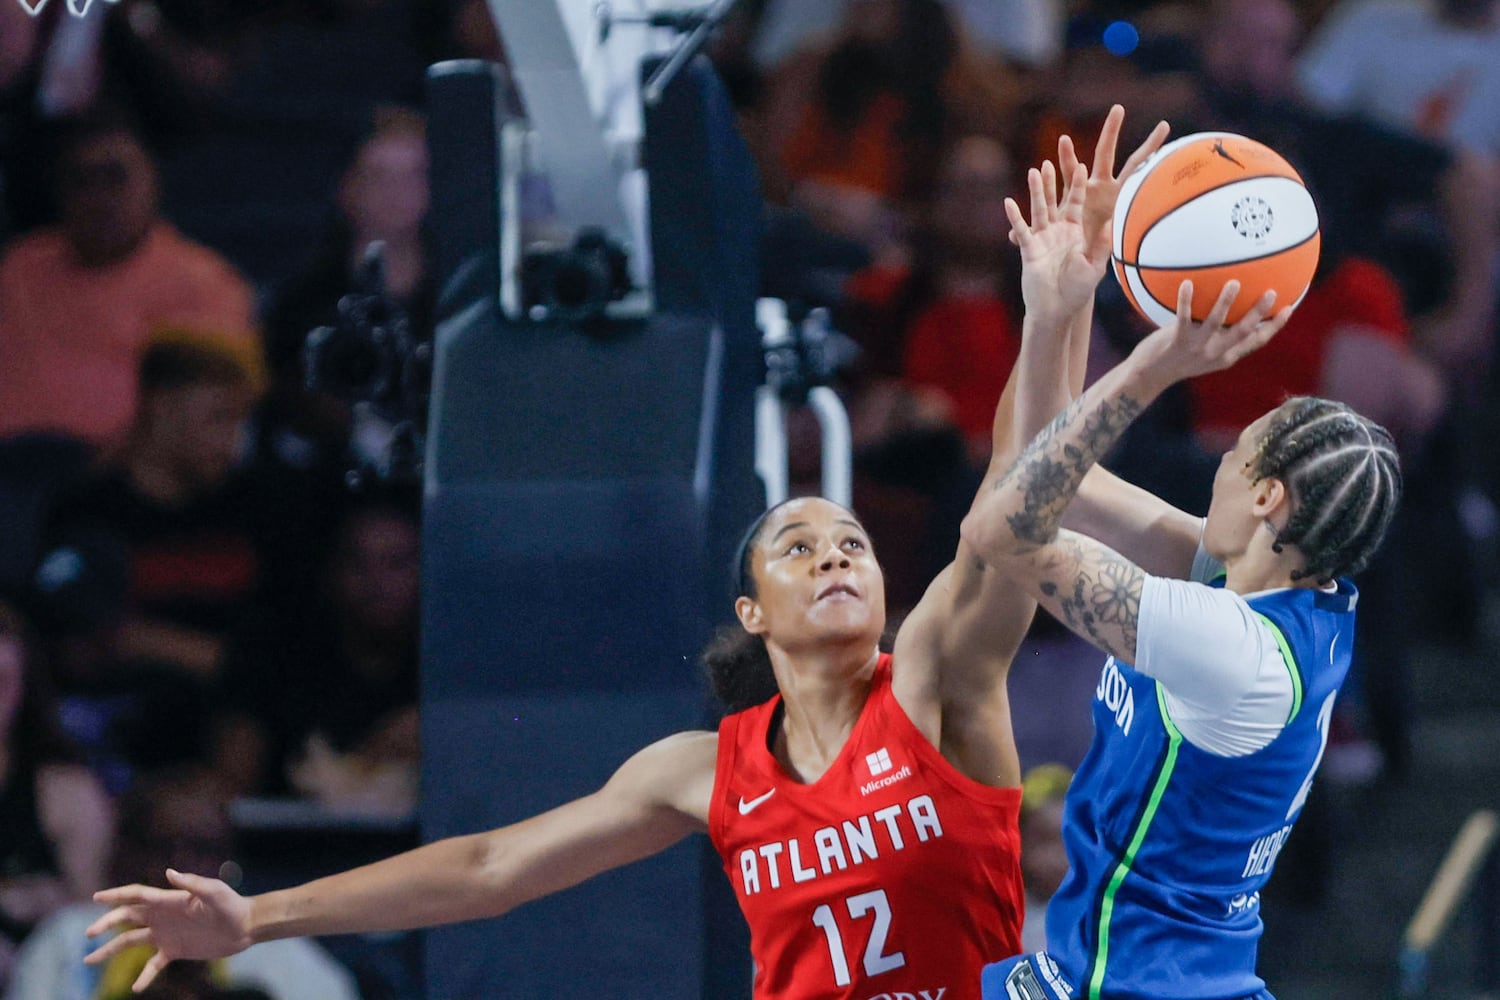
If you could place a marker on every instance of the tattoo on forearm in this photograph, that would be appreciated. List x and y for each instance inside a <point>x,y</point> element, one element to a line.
<point>1049,471</point>
<point>1100,596</point>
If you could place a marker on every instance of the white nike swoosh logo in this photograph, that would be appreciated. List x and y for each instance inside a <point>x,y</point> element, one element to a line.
<point>746,808</point>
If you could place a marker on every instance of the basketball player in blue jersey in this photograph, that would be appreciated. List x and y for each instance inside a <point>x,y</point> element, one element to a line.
<point>1228,638</point>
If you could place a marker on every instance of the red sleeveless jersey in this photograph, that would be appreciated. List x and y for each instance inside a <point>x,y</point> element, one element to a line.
<point>891,876</point>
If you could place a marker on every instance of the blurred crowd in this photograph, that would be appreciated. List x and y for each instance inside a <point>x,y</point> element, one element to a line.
<point>199,602</point>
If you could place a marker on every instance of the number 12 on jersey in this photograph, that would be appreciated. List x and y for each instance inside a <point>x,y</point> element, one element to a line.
<point>875,961</point>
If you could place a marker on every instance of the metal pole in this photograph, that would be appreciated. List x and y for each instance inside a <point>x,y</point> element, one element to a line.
<point>770,444</point>
<point>686,49</point>
<point>838,451</point>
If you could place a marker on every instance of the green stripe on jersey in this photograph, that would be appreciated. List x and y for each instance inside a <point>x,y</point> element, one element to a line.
<point>1107,908</point>
<point>1291,665</point>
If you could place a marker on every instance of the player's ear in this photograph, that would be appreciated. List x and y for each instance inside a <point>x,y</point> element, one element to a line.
<point>748,611</point>
<point>1271,496</point>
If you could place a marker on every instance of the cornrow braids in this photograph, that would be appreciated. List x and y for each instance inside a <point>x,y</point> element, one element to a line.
<point>1344,477</point>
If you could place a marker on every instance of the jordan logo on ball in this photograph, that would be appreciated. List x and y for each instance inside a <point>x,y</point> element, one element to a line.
<point>1219,150</point>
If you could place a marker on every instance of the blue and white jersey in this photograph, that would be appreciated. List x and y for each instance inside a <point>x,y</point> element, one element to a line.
<point>1169,844</point>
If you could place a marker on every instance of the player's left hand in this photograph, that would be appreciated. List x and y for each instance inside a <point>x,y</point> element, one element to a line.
<point>199,918</point>
<point>1103,185</point>
<point>1060,268</point>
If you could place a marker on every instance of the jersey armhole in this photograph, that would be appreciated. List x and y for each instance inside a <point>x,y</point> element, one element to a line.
<point>1291,664</point>
<point>1007,797</point>
<point>724,765</point>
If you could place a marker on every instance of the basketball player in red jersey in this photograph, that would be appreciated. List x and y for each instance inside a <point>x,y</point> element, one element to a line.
<point>866,813</point>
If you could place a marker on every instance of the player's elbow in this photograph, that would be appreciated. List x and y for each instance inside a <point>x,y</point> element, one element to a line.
<point>986,534</point>
<point>488,866</point>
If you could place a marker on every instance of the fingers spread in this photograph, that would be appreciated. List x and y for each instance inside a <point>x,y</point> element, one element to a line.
<point>1259,336</point>
<point>1049,188</point>
<point>1143,152</point>
<point>1223,304</point>
<point>1258,311</point>
<point>154,966</point>
<point>1020,232</point>
<point>1078,182</point>
<point>1067,156</point>
<point>117,944</point>
<point>196,884</point>
<point>117,917</point>
<point>1109,137</point>
<point>127,894</point>
<point>1038,196</point>
<point>1185,303</point>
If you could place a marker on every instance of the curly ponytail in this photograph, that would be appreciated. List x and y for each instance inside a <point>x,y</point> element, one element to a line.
<point>738,669</point>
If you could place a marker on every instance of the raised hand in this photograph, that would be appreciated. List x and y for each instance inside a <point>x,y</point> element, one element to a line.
<point>201,918</point>
<point>1060,267</point>
<point>1103,185</point>
<point>1185,349</point>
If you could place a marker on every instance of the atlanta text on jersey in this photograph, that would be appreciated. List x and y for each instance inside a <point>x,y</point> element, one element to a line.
<point>834,848</point>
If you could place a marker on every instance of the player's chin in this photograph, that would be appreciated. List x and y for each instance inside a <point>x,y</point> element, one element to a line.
<point>844,621</point>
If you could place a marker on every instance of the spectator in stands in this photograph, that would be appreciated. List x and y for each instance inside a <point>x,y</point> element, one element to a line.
<point>175,819</point>
<point>938,338</point>
<point>1155,80</point>
<point>948,322</point>
<point>55,820</point>
<point>1024,32</point>
<point>172,62</point>
<point>382,198</point>
<point>1429,69</point>
<point>858,125</point>
<point>1409,197</point>
<point>79,301</point>
<point>326,703</point>
<point>187,524</point>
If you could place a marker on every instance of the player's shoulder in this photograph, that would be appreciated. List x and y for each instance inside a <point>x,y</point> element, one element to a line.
<point>676,772</point>
<point>679,757</point>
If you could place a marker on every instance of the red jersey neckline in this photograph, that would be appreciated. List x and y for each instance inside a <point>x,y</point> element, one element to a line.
<point>881,675</point>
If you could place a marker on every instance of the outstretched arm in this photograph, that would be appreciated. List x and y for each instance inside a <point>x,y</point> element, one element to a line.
<point>1087,585</point>
<point>1162,538</point>
<point>954,651</point>
<point>655,799</point>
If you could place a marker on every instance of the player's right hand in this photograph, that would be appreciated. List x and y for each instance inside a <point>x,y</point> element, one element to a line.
<point>1187,348</point>
<point>202,918</point>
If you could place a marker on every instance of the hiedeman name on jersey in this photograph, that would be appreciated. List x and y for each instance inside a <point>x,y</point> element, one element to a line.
<point>1264,851</point>
<point>835,848</point>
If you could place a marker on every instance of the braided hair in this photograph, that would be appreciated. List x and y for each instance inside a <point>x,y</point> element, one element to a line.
<point>1344,477</point>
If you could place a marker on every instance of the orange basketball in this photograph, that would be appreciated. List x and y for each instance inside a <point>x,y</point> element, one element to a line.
<point>1207,208</point>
